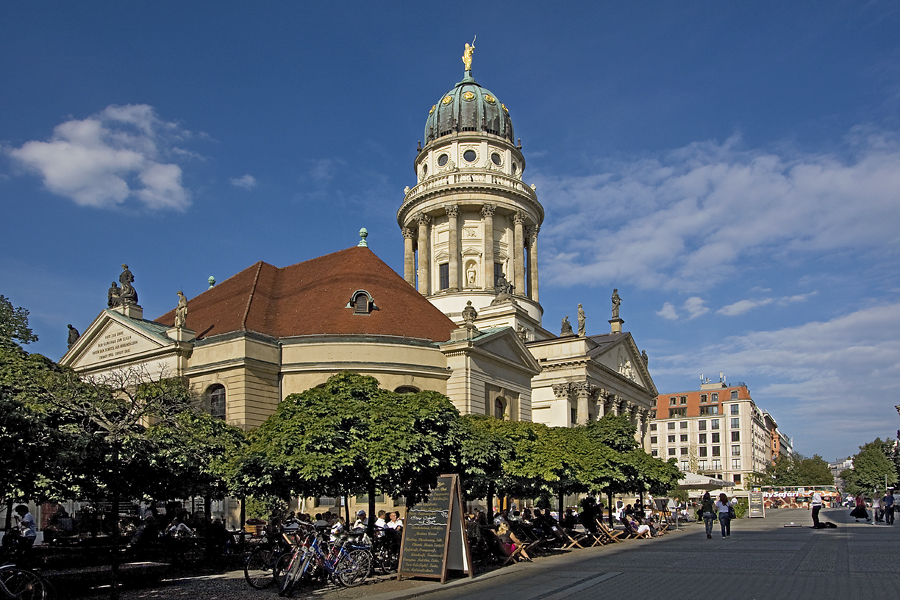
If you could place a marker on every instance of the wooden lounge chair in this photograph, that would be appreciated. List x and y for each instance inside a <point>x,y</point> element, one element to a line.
<point>610,535</point>
<point>519,553</point>
<point>632,533</point>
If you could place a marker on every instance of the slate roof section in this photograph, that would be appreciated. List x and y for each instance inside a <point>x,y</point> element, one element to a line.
<point>310,298</point>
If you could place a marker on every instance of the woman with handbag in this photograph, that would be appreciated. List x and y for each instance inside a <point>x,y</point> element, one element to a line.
<point>860,511</point>
<point>726,513</point>
<point>707,513</point>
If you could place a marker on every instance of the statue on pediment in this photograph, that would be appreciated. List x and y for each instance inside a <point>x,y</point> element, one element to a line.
<point>581,321</point>
<point>616,302</point>
<point>566,327</point>
<point>503,290</point>
<point>181,311</point>
<point>114,295</point>
<point>128,295</point>
<point>645,358</point>
<point>73,335</point>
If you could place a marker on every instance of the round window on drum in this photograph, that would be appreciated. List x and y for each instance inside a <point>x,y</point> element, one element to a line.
<point>470,155</point>
<point>442,160</point>
<point>495,158</point>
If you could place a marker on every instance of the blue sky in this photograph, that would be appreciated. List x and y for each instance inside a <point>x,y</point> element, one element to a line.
<point>732,168</point>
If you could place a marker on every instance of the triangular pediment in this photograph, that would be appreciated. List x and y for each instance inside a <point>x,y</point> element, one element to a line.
<point>113,339</point>
<point>621,355</point>
<point>506,345</point>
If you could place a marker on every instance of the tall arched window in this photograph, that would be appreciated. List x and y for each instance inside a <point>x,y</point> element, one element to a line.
<point>500,407</point>
<point>407,389</point>
<point>216,395</point>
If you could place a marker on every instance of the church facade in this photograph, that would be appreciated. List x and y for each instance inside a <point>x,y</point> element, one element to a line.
<point>464,319</point>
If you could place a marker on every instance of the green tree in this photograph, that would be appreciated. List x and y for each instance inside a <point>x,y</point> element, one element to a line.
<point>794,469</point>
<point>14,323</point>
<point>352,437</point>
<point>872,468</point>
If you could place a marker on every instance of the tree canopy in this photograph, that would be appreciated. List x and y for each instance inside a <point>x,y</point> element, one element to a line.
<point>872,468</point>
<point>14,323</point>
<point>794,469</point>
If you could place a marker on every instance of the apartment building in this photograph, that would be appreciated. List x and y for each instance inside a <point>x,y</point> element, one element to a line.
<point>717,430</point>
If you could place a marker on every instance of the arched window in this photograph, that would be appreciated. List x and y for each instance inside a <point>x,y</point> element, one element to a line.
<point>500,407</point>
<point>216,394</point>
<point>361,302</point>
<point>406,389</point>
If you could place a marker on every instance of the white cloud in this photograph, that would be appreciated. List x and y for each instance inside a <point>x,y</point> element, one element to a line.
<point>108,157</point>
<point>248,182</point>
<point>687,219</point>
<point>739,308</point>
<point>695,307</point>
<point>668,312</point>
<point>835,378</point>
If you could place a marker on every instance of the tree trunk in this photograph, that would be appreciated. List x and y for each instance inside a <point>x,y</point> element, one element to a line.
<point>370,527</point>
<point>641,499</point>
<point>347,510</point>
<point>490,502</point>
<point>562,502</point>
<point>207,508</point>
<point>114,488</point>
<point>9,512</point>
<point>611,508</point>
<point>243,511</point>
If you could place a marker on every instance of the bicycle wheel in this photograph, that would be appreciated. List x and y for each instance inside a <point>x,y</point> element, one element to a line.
<point>23,584</point>
<point>286,568</point>
<point>259,569</point>
<point>353,568</point>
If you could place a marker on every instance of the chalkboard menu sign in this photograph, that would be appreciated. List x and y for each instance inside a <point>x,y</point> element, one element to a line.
<point>757,508</point>
<point>434,536</point>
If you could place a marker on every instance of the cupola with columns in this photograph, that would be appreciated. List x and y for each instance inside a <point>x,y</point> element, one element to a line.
<point>470,224</point>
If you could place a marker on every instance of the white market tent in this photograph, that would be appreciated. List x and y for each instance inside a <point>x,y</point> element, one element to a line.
<point>694,481</point>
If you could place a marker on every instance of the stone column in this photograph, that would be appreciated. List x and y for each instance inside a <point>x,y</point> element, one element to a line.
<point>487,214</point>
<point>519,252</point>
<point>452,214</point>
<point>424,278</point>
<point>583,392</point>
<point>563,391</point>
<point>409,257</point>
<point>533,263</point>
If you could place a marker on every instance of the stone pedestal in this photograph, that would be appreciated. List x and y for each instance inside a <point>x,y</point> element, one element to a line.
<point>616,325</point>
<point>181,334</point>
<point>132,311</point>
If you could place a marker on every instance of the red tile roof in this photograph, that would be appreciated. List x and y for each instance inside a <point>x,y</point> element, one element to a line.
<point>309,298</point>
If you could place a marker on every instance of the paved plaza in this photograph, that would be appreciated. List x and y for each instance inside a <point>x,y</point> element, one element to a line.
<point>761,559</point>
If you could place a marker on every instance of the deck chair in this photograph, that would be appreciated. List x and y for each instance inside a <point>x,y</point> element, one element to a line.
<point>513,556</point>
<point>610,535</point>
<point>563,537</point>
<point>631,533</point>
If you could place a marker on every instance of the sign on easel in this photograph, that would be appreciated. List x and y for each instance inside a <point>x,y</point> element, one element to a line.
<point>757,506</point>
<point>434,537</point>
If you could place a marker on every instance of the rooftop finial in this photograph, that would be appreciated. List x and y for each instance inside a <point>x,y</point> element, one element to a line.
<point>363,234</point>
<point>211,281</point>
<point>467,55</point>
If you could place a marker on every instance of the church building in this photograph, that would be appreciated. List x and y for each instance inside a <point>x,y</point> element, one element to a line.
<point>464,319</point>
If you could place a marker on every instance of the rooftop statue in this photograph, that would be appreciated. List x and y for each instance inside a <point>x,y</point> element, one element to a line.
<point>128,294</point>
<point>581,321</point>
<point>616,302</point>
<point>503,290</point>
<point>467,55</point>
<point>566,327</point>
<point>181,311</point>
<point>113,295</point>
<point>73,335</point>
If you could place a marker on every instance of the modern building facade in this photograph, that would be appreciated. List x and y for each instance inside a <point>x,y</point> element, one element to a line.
<point>717,430</point>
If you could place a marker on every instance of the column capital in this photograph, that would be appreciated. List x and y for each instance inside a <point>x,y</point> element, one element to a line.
<point>423,219</point>
<point>408,233</point>
<point>583,388</point>
<point>519,218</point>
<point>562,390</point>
<point>488,210</point>
<point>533,231</point>
<point>452,210</point>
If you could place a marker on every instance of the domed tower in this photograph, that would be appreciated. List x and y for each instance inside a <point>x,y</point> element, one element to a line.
<point>470,224</point>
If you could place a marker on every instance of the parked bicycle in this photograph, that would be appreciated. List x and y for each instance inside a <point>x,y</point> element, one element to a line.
<point>314,559</point>
<point>23,584</point>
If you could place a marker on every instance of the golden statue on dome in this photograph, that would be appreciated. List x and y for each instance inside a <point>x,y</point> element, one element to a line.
<point>467,54</point>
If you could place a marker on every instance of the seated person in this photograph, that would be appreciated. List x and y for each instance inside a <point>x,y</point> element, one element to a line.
<point>639,529</point>
<point>569,520</point>
<point>509,542</point>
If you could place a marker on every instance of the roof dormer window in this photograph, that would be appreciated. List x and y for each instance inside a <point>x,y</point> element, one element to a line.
<point>361,302</point>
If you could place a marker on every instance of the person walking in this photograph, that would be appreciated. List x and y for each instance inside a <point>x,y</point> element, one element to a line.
<point>816,504</point>
<point>876,509</point>
<point>888,504</point>
<point>708,513</point>
<point>726,513</point>
<point>859,511</point>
